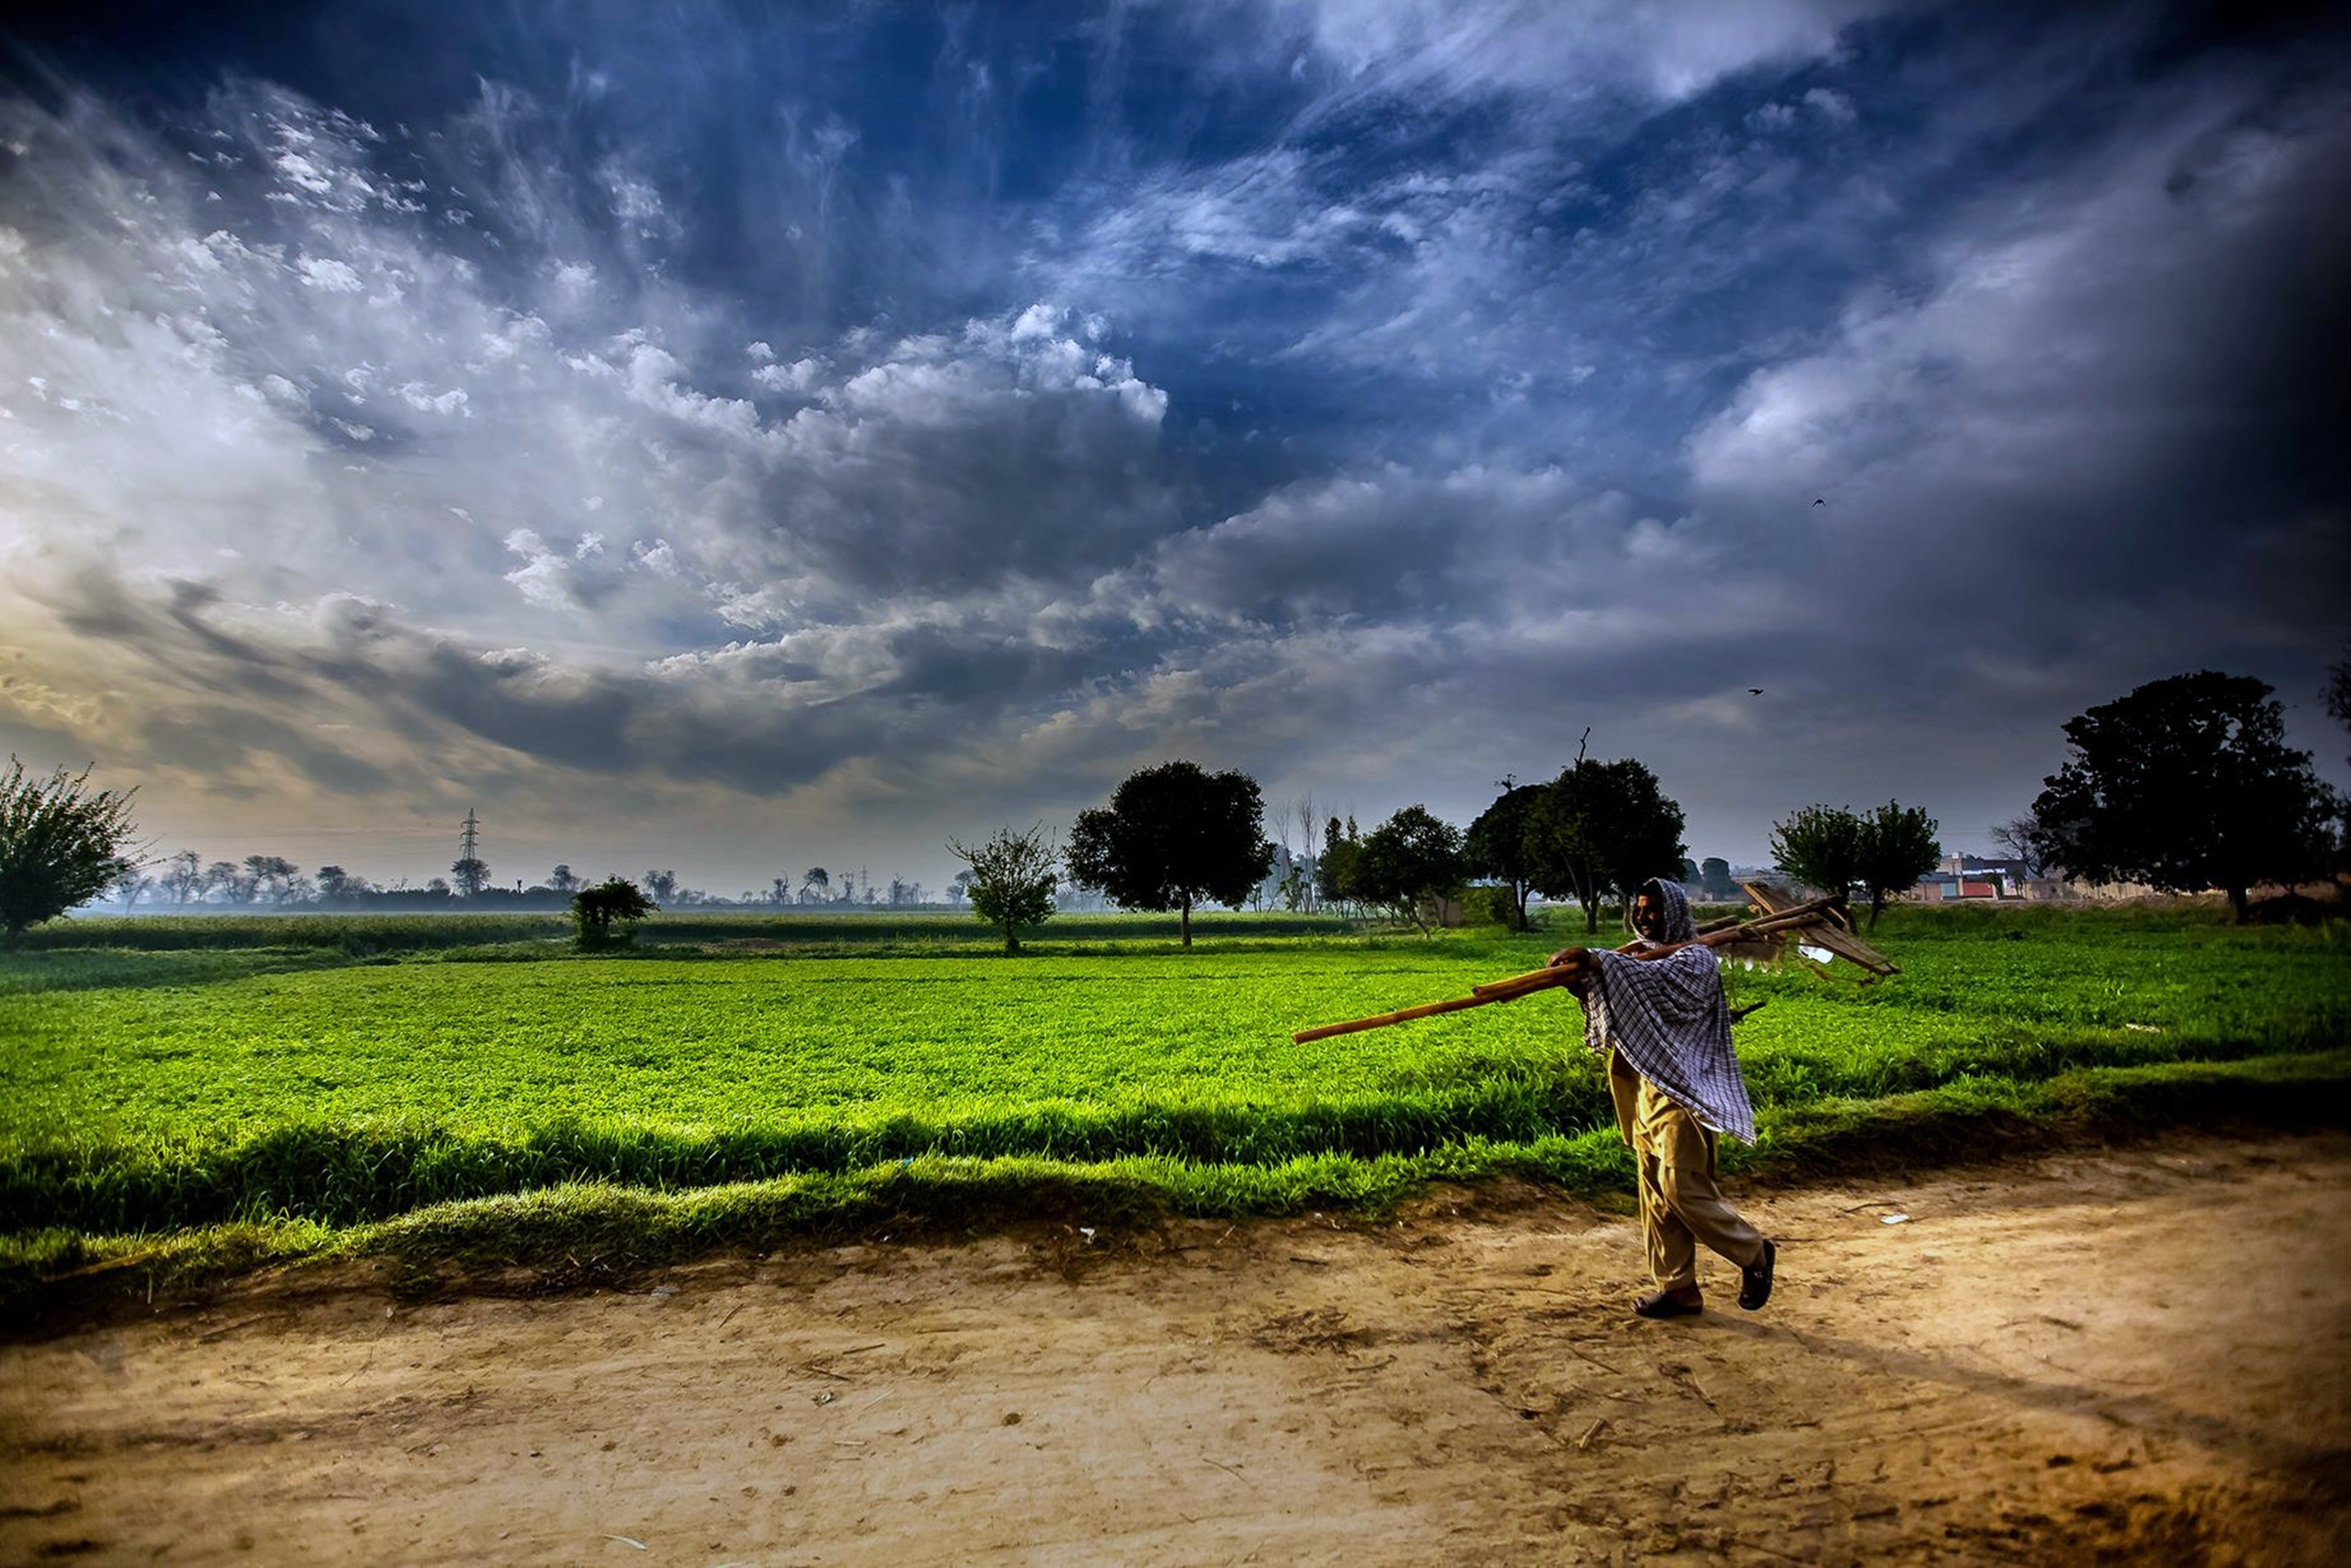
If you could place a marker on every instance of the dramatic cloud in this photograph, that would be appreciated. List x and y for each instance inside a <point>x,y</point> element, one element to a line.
<point>698,441</point>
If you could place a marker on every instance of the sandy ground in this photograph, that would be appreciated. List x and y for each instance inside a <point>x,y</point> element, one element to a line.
<point>2136,1355</point>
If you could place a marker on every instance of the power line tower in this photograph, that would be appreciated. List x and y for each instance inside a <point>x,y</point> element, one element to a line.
<point>470,873</point>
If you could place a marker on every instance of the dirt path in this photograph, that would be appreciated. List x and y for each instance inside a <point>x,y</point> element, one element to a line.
<point>2122,1356</point>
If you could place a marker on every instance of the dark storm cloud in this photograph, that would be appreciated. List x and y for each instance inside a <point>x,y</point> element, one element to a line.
<point>977,402</point>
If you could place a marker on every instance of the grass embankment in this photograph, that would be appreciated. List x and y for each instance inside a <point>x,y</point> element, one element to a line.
<point>201,1107</point>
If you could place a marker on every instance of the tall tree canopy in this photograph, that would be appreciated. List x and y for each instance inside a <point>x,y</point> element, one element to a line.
<point>1010,880</point>
<point>1821,846</point>
<point>595,911</point>
<point>2186,784</point>
<point>1495,847</point>
<point>61,844</point>
<point>1603,829</point>
<point>1410,864</point>
<point>1898,847</point>
<point>1835,850</point>
<point>1172,836</point>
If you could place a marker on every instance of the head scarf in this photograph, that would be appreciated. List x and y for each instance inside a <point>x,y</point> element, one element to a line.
<point>1681,925</point>
<point>1667,1017</point>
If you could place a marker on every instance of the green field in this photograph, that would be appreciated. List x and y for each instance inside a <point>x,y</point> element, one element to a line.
<point>325,1080</point>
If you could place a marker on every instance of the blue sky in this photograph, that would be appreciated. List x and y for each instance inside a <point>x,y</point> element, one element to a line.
<point>750,437</point>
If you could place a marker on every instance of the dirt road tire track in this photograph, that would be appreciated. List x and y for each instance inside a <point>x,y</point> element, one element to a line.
<point>2139,1355</point>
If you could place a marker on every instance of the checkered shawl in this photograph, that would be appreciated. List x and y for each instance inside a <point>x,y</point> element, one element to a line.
<point>1667,1017</point>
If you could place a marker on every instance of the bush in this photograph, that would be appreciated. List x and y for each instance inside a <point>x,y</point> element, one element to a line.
<point>596,910</point>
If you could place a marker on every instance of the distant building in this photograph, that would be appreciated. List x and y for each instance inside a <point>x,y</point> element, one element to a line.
<point>1965,878</point>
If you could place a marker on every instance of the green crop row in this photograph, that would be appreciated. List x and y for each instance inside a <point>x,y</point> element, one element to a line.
<point>147,1088</point>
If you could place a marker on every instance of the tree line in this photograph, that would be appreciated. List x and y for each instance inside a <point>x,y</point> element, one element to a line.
<point>2183,784</point>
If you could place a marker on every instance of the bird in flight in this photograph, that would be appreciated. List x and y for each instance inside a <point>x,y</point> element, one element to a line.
<point>1755,691</point>
<point>1820,501</point>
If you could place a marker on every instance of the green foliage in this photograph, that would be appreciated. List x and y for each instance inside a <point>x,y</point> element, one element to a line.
<point>1602,828</point>
<point>61,844</point>
<point>549,1095</point>
<point>1821,846</point>
<point>1012,880</point>
<point>1897,847</point>
<point>2186,784</point>
<point>1409,864</point>
<point>1835,850</point>
<point>1495,847</point>
<point>1172,836</point>
<point>1334,874</point>
<point>595,911</point>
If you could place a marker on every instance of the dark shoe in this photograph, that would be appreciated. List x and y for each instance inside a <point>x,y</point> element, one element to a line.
<point>1755,1283</point>
<point>1666,1305</point>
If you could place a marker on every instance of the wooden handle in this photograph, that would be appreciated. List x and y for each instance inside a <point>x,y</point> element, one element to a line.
<point>1820,915</point>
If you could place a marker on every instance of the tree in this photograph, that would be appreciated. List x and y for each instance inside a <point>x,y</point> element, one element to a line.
<point>560,879</point>
<point>275,877</point>
<point>235,886</point>
<point>661,886</point>
<point>2185,784</point>
<point>1897,847</point>
<point>595,910</point>
<point>1602,828</point>
<point>1310,855</point>
<point>1334,874</point>
<point>61,844</point>
<point>1010,880</point>
<point>2015,837</point>
<point>469,874</point>
<point>1172,836</point>
<point>129,884</point>
<point>1821,846</point>
<point>183,876</point>
<point>1410,864</point>
<point>1495,847</point>
<point>1295,889</point>
<point>814,881</point>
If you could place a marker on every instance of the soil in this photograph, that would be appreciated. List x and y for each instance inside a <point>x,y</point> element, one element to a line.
<point>2101,1355</point>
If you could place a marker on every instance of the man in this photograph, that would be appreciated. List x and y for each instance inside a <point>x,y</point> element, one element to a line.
<point>1654,1009</point>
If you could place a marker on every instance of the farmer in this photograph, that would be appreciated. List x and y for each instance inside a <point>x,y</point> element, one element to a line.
<point>1661,1021</point>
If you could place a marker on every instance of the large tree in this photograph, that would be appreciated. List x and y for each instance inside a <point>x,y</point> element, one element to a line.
<point>1821,846</point>
<point>1495,847</point>
<point>1335,873</point>
<point>1010,880</point>
<point>595,911</point>
<point>1172,836</point>
<point>1410,864</point>
<point>61,844</point>
<point>1898,847</point>
<point>1603,829</point>
<point>2186,784</point>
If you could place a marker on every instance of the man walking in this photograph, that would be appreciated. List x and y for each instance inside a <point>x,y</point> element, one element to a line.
<point>1654,1009</point>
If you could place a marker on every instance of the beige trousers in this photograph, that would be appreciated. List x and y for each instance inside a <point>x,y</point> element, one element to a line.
<point>1680,1203</point>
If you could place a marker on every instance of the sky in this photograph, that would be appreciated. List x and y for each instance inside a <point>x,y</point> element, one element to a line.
<point>740,438</point>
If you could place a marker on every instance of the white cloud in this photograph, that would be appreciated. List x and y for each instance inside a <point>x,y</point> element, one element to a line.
<point>336,277</point>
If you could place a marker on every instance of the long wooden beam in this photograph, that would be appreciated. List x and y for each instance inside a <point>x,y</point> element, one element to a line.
<point>1810,918</point>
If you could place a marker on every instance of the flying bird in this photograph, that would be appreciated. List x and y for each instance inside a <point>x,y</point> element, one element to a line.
<point>1755,691</point>
<point>1820,501</point>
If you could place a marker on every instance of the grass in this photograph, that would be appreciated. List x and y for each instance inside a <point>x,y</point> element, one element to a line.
<point>423,1084</point>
